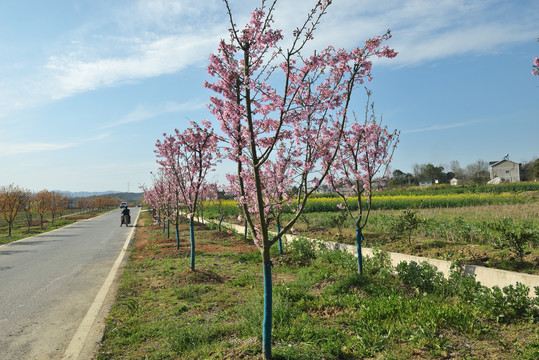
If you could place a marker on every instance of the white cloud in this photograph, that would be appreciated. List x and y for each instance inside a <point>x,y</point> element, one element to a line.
<point>145,112</point>
<point>157,37</point>
<point>99,137</point>
<point>7,149</point>
<point>162,56</point>
<point>169,15</point>
<point>441,127</point>
<point>428,30</point>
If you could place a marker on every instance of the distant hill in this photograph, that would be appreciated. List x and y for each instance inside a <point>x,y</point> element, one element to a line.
<point>127,196</point>
<point>83,194</point>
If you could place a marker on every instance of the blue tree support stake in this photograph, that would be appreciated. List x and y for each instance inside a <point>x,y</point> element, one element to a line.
<point>245,235</point>
<point>280,242</point>
<point>177,237</point>
<point>266,325</point>
<point>192,230</point>
<point>359,239</point>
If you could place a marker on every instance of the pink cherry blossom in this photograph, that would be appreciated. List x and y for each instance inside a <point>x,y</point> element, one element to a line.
<point>282,114</point>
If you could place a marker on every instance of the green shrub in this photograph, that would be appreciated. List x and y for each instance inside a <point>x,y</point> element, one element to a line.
<point>379,264</point>
<point>509,304</point>
<point>302,251</point>
<point>424,278</point>
<point>406,224</point>
<point>461,285</point>
<point>338,258</point>
<point>516,237</point>
<point>338,221</point>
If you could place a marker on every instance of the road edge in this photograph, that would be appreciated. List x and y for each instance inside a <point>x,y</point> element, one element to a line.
<point>78,341</point>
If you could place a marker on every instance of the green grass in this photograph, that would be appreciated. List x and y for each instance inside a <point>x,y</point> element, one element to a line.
<point>323,309</point>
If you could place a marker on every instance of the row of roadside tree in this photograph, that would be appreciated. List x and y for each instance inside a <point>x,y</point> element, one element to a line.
<point>15,201</point>
<point>288,125</point>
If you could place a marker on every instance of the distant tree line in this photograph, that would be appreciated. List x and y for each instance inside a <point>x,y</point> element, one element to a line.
<point>15,200</point>
<point>475,173</point>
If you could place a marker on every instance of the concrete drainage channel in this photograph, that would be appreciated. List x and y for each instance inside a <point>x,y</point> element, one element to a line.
<point>486,276</point>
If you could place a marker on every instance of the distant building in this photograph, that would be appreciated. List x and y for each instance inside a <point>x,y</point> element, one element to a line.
<point>454,181</point>
<point>324,189</point>
<point>505,169</point>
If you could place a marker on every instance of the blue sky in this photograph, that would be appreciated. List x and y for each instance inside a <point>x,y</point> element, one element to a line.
<point>88,86</point>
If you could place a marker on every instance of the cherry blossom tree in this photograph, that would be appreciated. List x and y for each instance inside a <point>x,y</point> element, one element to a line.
<point>306,114</point>
<point>186,158</point>
<point>535,68</point>
<point>165,198</point>
<point>362,166</point>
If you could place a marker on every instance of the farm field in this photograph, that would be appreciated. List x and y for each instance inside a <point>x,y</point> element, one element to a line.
<point>499,230</point>
<point>470,235</point>
<point>323,309</point>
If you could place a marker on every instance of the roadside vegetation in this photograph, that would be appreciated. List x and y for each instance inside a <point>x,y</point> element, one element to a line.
<point>24,214</point>
<point>494,226</point>
<point>323,309</point>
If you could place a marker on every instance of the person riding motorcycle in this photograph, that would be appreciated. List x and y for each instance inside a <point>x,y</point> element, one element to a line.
<point>126,217</point>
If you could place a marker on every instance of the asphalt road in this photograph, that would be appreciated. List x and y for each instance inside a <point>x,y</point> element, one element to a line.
<point>49,282</point>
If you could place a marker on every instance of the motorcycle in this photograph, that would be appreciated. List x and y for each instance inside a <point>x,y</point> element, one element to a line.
<point>125,219</point>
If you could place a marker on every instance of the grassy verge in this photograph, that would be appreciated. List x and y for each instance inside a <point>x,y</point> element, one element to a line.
<point>322,308</point>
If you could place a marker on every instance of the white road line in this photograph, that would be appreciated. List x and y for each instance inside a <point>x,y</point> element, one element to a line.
<point>77,342</point>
